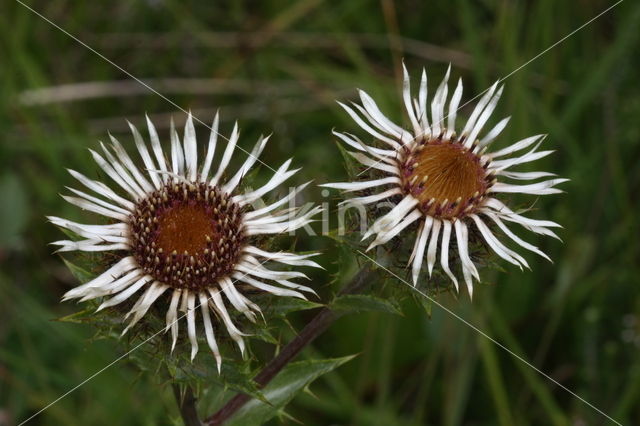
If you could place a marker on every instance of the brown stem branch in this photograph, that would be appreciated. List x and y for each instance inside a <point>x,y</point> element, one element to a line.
<point>313,329</point>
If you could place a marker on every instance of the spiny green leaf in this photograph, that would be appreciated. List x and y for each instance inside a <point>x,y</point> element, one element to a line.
<point>264,334</point>
<point>79,273</point>
<point>285,305</point>
<point>426,304</point>
<point>350,164</point>
<point>235,375</point>
<point>283,388</point>
<point>80,317</point>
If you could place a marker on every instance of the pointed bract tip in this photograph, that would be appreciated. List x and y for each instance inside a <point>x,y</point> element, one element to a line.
<point>372,245</point>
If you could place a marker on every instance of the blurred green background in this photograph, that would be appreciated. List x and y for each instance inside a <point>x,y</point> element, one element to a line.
<point>278,67</point>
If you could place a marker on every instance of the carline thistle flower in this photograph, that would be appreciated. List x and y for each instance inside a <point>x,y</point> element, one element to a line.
<point>445,180</point>
<point>185,231</point>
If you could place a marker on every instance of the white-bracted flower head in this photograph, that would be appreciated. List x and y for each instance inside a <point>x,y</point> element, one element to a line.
<point>186,229</point>
<point>444,177</point>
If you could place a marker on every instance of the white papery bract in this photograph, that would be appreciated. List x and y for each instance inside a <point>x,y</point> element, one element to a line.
<point>181,228</point>
<point>444,179</point>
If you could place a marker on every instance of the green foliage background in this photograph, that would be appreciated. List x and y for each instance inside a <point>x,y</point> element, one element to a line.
<point>278,67</point>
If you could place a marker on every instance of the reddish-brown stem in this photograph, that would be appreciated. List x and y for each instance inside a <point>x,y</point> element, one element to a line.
<point>187,405</point>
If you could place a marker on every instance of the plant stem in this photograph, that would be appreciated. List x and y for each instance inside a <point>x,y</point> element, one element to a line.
<point>187,406</point>
<point>313,329</point>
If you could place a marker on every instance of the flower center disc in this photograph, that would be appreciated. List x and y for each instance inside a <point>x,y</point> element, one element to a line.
<point>445,177</point>
<point>187,235</point>
<point>185,228</point>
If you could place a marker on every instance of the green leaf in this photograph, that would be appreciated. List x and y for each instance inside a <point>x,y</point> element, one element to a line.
<point>235,375</point>
<point>361,302</point>
<point>264,334</point>
<point>285,305</point>
<point>79,273</point>
<point>283,388</point>
<point>427,304</point>
<point>80,317</point>
<point>350,164</point>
